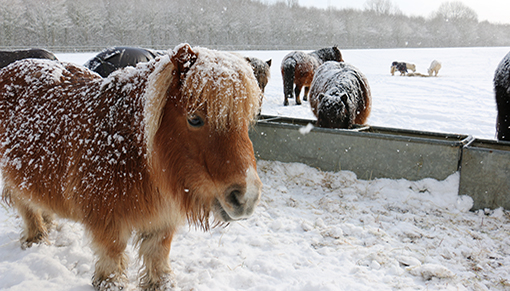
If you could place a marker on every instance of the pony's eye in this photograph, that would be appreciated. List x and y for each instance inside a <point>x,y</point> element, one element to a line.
<point>195,121</point>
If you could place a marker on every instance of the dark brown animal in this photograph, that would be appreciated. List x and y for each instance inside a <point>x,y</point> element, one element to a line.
<point>8,57</point>
<point>114,58</point>
<point>502,92</point>
<point>137,152</point>
<point>261,70</point>
<point>298,68</point>
<point>340,96</point>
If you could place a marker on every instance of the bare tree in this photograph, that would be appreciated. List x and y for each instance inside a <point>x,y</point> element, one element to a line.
<point>292,3</point>
<point>382,7</point>
<point>239,24</point>
<point>455,11</point>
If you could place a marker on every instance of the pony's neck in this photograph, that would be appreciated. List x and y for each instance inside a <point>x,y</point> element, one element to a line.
<point>325,54</point>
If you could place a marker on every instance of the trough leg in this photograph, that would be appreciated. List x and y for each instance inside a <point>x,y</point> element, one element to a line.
<point>156,273</point>
<point>109,244</point>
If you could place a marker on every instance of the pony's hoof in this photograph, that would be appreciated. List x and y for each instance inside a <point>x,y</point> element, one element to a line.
<point>41,237</point>
<point>111,283</point>
<point>286,103</point>
<point>166,283</point>
<point>107,285</point>
<point>298,103</point>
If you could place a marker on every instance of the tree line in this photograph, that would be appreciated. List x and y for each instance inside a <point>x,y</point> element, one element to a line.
<point>233,24</point>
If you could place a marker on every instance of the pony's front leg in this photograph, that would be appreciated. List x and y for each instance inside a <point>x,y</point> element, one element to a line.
<point>109,244</point>
<point>156,273</point>
<point>36,221</point>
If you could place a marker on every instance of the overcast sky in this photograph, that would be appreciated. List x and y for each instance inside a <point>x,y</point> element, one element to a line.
<point>496,11</point>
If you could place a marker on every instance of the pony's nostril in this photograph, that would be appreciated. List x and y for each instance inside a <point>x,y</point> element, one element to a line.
<point>235,197</point>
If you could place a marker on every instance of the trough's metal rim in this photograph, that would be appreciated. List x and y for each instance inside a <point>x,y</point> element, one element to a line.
<point>473,145</point>
<point>459,140</point>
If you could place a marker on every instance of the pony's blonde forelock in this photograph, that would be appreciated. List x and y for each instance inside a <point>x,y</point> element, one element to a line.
<point>223,85</point>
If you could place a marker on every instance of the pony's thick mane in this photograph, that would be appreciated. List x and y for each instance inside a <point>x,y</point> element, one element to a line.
<point>223,84</point>
<point>155,100</point>
<point>329,54</point>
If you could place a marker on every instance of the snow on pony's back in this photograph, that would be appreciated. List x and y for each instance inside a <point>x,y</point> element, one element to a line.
<point>340,95</point>
<point>137,152</point>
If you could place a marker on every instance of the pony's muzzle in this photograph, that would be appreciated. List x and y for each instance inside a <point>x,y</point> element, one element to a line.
<point>240,200</point>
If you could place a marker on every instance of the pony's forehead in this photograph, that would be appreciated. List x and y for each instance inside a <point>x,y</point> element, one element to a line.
<point>223,85</point>
<point>218,64</point>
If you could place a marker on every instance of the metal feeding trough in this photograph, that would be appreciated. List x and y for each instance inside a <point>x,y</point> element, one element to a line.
<point>485,173</point>
<point>368,151</point>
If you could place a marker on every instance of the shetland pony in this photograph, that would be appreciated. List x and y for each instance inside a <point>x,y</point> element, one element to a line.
<point>137,152</point>
<point>502,92</point>
<point>114,58</point>
<point>7,57</point>
<point>298,68</point>
<point>261,70</point>
<point>340,96</point>
<point>434,68</point>
<point>402,67</point>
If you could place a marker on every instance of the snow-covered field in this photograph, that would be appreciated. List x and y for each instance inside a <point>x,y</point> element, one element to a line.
<point>318,230</point>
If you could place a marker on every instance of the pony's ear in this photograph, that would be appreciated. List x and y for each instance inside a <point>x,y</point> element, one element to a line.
<point>338,53</point>
<point>184,57</point>
<point>269,62</point>
<point>343,97</point>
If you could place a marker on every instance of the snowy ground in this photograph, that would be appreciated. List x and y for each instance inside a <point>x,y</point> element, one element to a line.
<point>328,231</point>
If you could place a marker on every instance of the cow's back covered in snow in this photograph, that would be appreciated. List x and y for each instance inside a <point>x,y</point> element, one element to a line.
<point>340,96</point>
<point>502,92</point>
<point>139,151</point>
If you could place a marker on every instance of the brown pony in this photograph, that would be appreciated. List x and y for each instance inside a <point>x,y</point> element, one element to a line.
<point>261,70</point>
<point>139,151</point>
<point>340,96</point>
<point>298,68</point>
